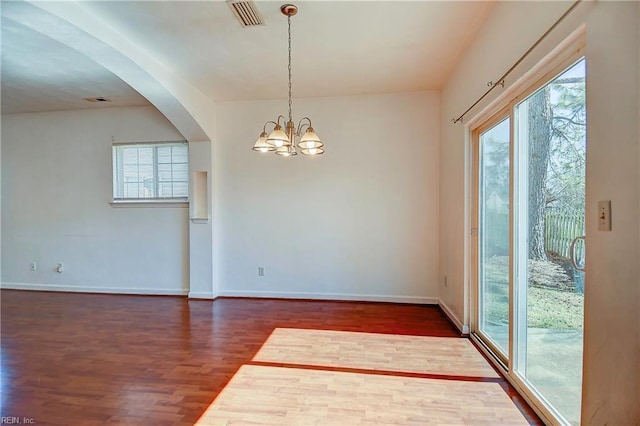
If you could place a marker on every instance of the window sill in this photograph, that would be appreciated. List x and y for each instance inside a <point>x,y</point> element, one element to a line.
<point>149,203</point>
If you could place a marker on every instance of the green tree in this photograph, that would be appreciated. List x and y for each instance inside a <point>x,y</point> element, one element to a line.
<point>556,135</point>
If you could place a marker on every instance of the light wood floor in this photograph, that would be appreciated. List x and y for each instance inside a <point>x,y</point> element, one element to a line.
<point>279,396</point>
<point>90,359</point>
<point>371,351</point>
<point>365,378</point>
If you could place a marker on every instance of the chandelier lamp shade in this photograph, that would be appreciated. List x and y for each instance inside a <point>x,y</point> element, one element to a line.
<point>286,141</point>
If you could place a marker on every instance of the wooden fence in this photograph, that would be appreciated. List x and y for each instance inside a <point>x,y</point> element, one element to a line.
<point>560,230</point>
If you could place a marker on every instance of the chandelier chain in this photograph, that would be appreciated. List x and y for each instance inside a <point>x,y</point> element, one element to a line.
<point>289,24</point>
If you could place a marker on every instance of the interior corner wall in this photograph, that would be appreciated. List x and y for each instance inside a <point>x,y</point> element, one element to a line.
<point>358,223</point>
<point>56,193</point>
<point>612,299</point>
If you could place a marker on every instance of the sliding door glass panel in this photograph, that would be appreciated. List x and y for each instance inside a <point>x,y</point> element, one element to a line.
<point>550,128</point>
<point>493,235</point>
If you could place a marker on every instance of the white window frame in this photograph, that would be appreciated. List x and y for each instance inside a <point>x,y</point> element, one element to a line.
<point>180,201</point>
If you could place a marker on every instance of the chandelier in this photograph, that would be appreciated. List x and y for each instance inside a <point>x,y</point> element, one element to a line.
<point>283,141</point>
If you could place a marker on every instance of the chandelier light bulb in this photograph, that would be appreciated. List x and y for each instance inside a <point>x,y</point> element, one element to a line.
<point>313,152</point>
<point>310,140</point>
<point>286,151</point>
<point>262,145</point>
<point>278,137</point>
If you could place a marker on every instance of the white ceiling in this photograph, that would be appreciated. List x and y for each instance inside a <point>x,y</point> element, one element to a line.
<point>339,48</point>
<point>40,74</point>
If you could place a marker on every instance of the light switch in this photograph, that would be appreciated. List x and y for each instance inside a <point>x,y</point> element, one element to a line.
<point>604,215</point>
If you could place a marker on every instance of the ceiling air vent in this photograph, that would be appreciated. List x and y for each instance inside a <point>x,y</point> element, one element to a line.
<point>246,13</point>
<point>98,99</point>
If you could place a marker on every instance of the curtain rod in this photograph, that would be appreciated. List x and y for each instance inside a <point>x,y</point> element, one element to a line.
<point>500,81</point>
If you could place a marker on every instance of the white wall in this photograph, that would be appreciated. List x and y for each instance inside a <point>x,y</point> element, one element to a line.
<point>612,295</point>
<point>611,382</point>
<point>360,222</point>
<point>201,255</point>
<point>56,188</point>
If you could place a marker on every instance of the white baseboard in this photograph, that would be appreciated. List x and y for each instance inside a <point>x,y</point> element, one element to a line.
<point>462,328</point>
<point>330,296</point>
<point>79,289</point>
<point>230,293</point>
<point>201,295</point>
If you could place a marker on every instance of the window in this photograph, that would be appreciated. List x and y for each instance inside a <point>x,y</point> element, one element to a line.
<point>151,171</point>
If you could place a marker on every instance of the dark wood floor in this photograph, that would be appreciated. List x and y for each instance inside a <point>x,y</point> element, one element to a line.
<point>83,359</point>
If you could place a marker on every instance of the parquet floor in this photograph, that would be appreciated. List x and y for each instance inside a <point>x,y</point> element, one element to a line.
<point>86,359</point>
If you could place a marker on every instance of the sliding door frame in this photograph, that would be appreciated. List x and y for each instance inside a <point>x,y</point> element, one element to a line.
<point>498,117</point>
<point>568,53</point>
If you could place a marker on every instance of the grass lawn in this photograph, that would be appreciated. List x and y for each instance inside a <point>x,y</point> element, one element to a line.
<point>548,307</point>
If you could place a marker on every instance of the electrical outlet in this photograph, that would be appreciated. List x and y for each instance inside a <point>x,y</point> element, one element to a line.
<point>261,271</point>
<point>33,266</point>
<point>60,268</point>
<point>445,281</point>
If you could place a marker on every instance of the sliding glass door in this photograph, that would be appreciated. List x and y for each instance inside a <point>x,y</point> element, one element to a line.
<point>493,249</point>
<point>530,183</point>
